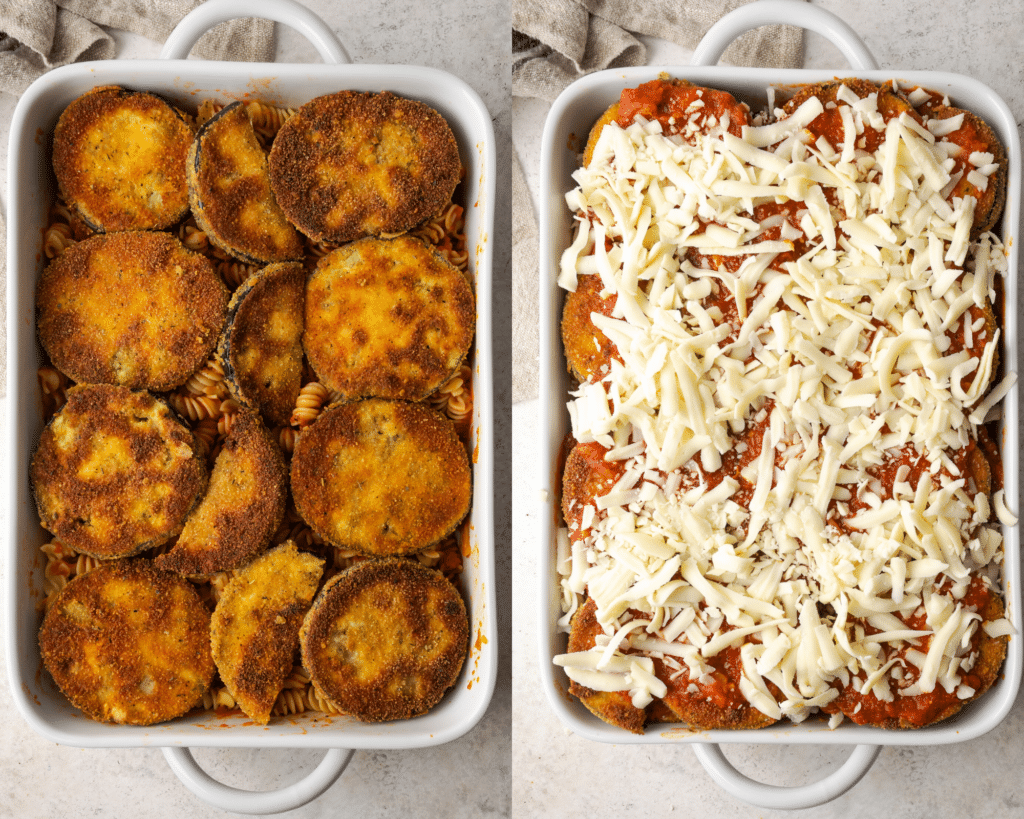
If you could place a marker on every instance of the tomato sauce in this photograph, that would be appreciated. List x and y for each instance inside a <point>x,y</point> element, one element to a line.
<point>920,709</point>
<point>829,123</point>
<point>669,104</point>
<point>587,476</point>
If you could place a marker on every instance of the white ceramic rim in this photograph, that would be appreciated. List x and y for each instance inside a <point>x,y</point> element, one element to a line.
<point>568,123</point>
<point>35,695</point>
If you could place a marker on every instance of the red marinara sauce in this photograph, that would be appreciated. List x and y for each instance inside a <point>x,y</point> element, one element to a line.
<point>920,709</point>
<point>668,101</point>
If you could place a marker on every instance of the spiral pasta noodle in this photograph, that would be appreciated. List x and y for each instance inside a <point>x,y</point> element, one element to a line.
<point>59,236</point>
<point>195,407</point>
<point>267,119</point>
<point>318,703</point>
<point>207,108</point>
<point>193,236</point>
<point>446,232</point>
<point>60,568</point>
<point>454,397</point>
<point>297,678</point>
<point>310,403</point>
<point>218,697</point>
<point>289,702</point>
<point>208,381</point>
<point>234,273</point>
<point>286,438</point>
<point>53,385</point>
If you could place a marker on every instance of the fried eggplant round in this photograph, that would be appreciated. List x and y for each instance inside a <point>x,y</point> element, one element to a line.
<point>588,351</point>
<point>115,472</point>
<point>610,115</point>
<point>254,631</point>
<point>135,308</point>
<point>128,643</point>
<point>350,164</point>
<point>387,318</point>
<point>261,346</point>
<point>975,137</point>
<point>119,157</point>
<point>891,103</point>
<point>241,510</point>
<point>229,190</point>
<point>385,639</point>
<point>381,477</point>
<point>917,710</point>
<point>614,707</point>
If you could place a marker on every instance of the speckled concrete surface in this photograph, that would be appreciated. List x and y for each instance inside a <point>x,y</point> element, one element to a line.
<point>557,773</point>
<point>469,777</point>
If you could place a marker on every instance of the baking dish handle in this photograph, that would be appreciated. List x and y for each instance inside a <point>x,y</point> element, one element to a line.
<point>776,797</point>
<point>202,18</point>
<point>259,803</point>
<point>790,12</point>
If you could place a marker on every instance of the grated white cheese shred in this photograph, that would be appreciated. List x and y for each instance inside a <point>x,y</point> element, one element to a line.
<point>818,357</point>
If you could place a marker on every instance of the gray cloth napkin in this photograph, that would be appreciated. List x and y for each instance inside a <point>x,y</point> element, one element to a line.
<point>557,41</point>
<point>37,35</point>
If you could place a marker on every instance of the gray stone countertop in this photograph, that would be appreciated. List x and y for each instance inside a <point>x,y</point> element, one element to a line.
<point>559,774</point>
<point>469,777</point>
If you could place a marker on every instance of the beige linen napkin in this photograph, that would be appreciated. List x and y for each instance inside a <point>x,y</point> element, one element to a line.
<point>37,35</point>
<point>557,41</point>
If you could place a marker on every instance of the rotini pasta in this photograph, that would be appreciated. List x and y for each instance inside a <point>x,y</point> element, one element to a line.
<point>289,702</point>
<point>195,407</point>
<point>446,232</point>
<point>318,703</point>
<point>454,398</point>
<point>233,273</point>
<point>218,697</point>
<point>208,381</point>
<point>193,236</point>
<point>286,437</point>
<point>267,119</point>
<point>312,398</point>
<point>59,236</point>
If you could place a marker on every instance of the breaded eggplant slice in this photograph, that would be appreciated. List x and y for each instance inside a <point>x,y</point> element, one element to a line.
<point>385,639</point>
<point>588,351</point>
<point>242,508</point>
<point>610,115</point>
<point>714,702</point>
<point>891,104</point>
<point>137,309</point>
<point>683,109</point>
<point>614,707</point>
<point>254,631</point>
<point>119,157</point>
<point>922,709</point>
<point>349,165</point>
<point>586,477</point>
<point>229,190</point>
<point>381,477</point>
<point>128,643</point>
<point>261,346</point>
<point>388,318</point>
<point>975,138</point>
<point>115,472</point>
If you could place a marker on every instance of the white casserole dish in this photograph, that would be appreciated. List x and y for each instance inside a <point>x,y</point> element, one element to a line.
<point>567,126</point>
<point>31,189</point>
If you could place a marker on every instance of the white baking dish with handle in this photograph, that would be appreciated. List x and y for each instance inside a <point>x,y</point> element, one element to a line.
<point>566,128</point>
<point>31,188</point>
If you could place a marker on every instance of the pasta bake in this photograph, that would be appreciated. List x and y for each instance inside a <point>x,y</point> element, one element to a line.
<point>782,497</point>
